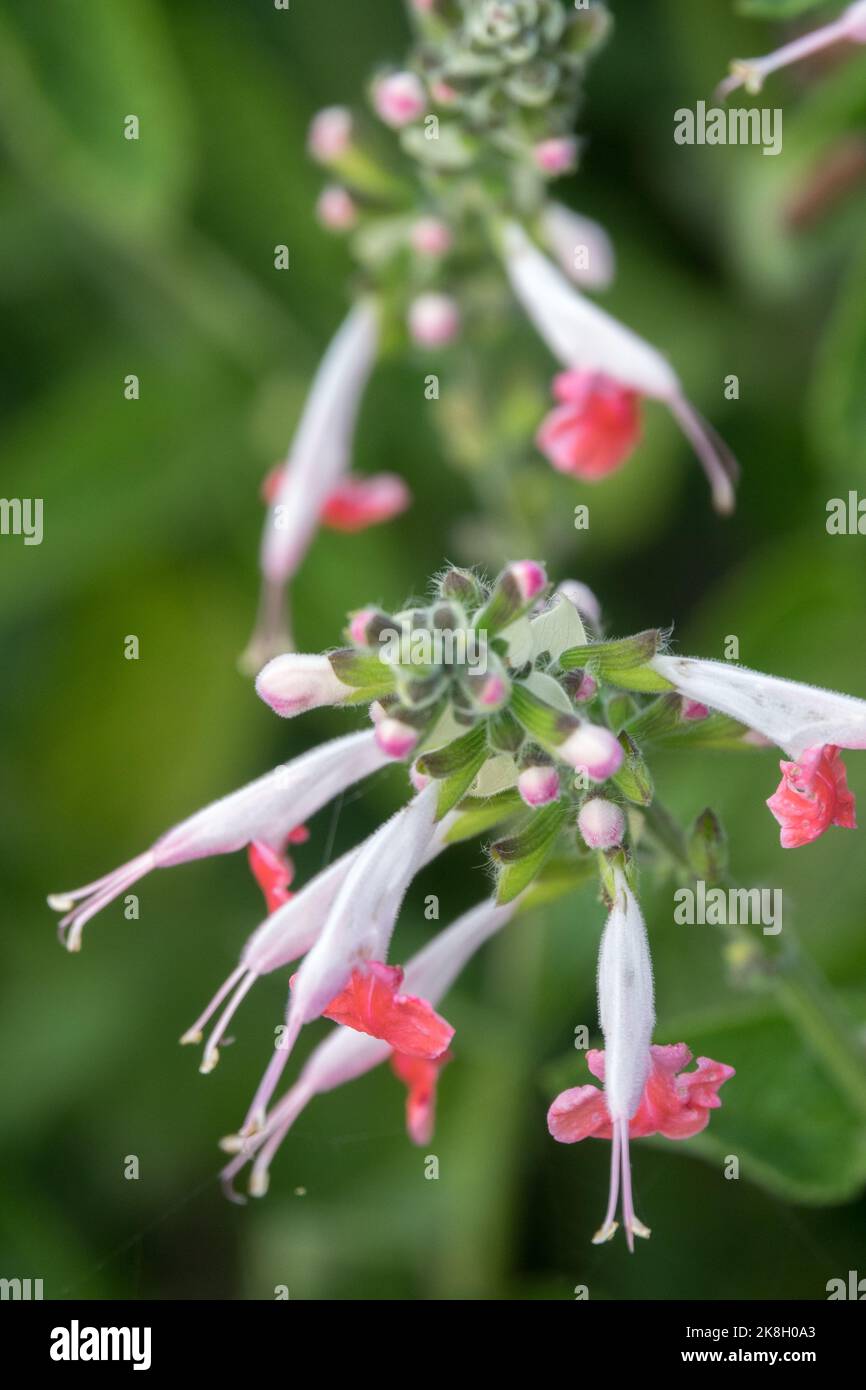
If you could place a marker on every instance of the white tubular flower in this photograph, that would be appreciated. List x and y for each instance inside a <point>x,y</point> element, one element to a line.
<point>346,1054</point>
<point>266,810</point>
<point>584,337</point>
<point>793,716</point>
<point>284,937</point>
<point>319,456</point>
<point>581,246</point>
<point>627,1017</point>
<point>295,682</point>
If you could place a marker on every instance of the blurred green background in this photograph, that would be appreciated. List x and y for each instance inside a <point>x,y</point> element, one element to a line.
<point>156,257</point>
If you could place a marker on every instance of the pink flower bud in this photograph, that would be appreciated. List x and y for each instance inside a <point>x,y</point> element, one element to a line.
<point>434,320</point>
<point>601,823</point>
<point>490,691</point>
<point>594,750</point>
<point>430,236</point>
<point>423,6</point>
<point>399,99</point>
<point>583,599</point>
<point>395,738</point>
<point>530,577</point>
<point>294,683</point>
<point>694,710</point>
<point>555,156</point>
<point>336,209</point>
<point>330,133</point>
<point>538,785</point>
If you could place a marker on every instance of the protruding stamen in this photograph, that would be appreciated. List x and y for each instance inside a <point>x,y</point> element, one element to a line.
<point>633,1226</point>
<point>194,1033</point>
<point>255,1118</point>
<point>211,1052</point>
<point>96,896</point>
<point>608,1227</point>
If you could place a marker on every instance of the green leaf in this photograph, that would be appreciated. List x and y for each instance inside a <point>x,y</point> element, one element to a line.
<point>523,855</point>
<point>480,814</point>
<point>456,766</point>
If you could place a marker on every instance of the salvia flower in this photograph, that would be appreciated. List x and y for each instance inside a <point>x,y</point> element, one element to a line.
<point>751,73</point>
<point>587,339</point>
<point>478,682</point>
<point>813,795</point>
<point>319,456</point>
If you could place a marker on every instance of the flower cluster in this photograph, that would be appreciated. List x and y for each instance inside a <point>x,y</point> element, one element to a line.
<point>523,726</point>
<point>483,115</point>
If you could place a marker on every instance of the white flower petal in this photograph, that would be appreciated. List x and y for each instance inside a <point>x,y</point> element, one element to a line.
<point>793,716</point>
<point>625,1002</point>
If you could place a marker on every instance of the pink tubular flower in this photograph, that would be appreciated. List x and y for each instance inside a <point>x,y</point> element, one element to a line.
<point>538,785</point>
<point>675,1103</point>
<point>421,1077</point>
<point>813,795</point>
<point>751,73</point>
<point>555,156</point>
<point>357,502</point>
<point>336,209</point>
<point>330,134</point>
<point>434,320</point>
<point>347,1054</point>
<point>430,236</point>
<point>594,429</point>
<point>264,811</point>
<point>399,99</point>
<point>372,1003</point>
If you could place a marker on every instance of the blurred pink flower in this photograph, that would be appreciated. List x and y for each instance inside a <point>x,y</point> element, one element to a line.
<point>595,427</point>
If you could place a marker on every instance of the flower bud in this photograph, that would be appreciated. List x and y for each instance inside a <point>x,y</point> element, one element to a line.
<point>330,134</point>
<point>583,599</point>
<point>538,785</point>
<point>601,823</point>
<point>489,691</point>
<point>367,624</point>
<point>434,320</point>
<point>294,683</point>
<point>581,685</point>
<point>593,749</point>
<point>555,156</point>
<point>430,236</point>
<point>336,209</point>
<point>399,98</point>
<point>396,738</point>
<point>693,710</point>
<point>530,578</point>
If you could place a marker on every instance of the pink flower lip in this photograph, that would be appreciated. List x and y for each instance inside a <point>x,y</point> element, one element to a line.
<point>813,795</point>
<point>336,209</point>
<point>555,156</point>
<point>396,738</point>
<point>372,1003</point>
<point>594,429</point>
<point>399,98</point>
<point>538,785</point>
<point>420,1075</point>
